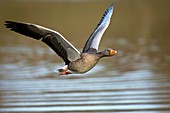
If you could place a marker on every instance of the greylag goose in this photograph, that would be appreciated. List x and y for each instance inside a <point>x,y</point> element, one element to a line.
<point>75,62</point>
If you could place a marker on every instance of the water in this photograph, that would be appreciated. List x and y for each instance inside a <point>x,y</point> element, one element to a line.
<point>136,80</point>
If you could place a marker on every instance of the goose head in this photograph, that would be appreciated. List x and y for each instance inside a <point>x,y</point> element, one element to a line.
<point>107,53</point>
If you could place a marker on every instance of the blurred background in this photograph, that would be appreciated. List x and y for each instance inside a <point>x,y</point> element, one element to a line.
<point>137,79</point>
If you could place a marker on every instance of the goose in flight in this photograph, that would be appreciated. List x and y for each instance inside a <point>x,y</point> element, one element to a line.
<point>75,62</point>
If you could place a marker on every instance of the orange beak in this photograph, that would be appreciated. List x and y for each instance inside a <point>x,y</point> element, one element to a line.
<point>112,52</point>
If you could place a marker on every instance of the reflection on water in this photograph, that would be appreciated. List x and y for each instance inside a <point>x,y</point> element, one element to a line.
<point>135,80</point>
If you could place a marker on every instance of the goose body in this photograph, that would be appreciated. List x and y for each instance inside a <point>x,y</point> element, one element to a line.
<point>75,62</point>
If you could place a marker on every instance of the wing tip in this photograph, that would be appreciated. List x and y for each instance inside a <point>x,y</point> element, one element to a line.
<point>10,25</point>
<point>112,5</point>
<point>111,8</point>
<point>7,22</point>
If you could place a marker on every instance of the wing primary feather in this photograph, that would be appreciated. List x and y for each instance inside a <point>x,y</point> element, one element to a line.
<point>111,8</point>
<point>95,37</point>
<point>24,29</point>
<point>52,38</point>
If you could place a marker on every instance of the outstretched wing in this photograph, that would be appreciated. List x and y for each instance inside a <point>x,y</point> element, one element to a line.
<point>52,38</point>
<point>95,37</point>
